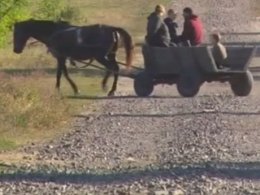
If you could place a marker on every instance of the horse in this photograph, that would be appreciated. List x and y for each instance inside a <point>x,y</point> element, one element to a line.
<point>65,41</point>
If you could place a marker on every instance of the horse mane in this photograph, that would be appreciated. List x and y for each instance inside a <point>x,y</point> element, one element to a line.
<point>32,20</point>
<point>63,22</point>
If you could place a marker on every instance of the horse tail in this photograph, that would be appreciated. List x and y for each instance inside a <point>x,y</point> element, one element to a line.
<point>128,44</point>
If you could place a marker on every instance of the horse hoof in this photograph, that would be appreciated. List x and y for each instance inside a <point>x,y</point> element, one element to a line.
<point>77,93</point>
<point>111,94</point>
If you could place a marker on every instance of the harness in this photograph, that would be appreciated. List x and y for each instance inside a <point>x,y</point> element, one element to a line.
<point>61,31</point>
<point>79,36</point>
<point>80,42</point>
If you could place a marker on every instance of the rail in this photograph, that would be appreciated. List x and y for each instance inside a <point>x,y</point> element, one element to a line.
<point>248,43</point>
<point>256,44</point>
<point>241,33</point>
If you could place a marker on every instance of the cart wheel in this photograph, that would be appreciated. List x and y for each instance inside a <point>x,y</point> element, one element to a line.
<point>188,85</point>
<point>242,85</point>
<point>143,84</point>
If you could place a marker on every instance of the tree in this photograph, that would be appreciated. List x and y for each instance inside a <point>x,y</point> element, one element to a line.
<point>10,12</point>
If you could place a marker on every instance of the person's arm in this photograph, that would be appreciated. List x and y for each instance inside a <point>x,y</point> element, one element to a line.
<point>172,26</point>
<point>187,31</point>
<point>219,54</point>
<point>154,25</point>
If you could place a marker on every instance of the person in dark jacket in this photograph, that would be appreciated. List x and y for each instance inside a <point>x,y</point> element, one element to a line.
<point>193,28</point>
<point>172,25</point>
<point>157,32</point>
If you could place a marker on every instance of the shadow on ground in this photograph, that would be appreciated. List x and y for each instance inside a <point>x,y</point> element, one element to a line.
<point>179,114</point>
<point>26,72</point>
<point>83,97</point>
<point>167,115</point>
<point>222,170</point>
<point>92,71</point>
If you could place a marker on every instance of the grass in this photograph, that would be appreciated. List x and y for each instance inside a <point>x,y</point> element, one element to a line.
<point>32,57</point>
<point>6,144</point>
<point>32,111</point>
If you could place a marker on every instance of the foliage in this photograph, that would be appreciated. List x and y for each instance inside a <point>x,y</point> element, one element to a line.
<point>50,9</point>
<point>17,10</point>
<point>11,11</point>
<point>70,13</point>
<point>56,10</point>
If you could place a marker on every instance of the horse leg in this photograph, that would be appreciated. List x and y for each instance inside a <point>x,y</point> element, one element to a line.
<point>104,81</point>
<point>115,69</point>
<point>112,66</point>
<point>66,74</point>
<point>114,86</point>
<point>59,73</point>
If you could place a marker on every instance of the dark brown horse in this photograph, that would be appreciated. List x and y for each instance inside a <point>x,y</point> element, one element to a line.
<point>99,42</point>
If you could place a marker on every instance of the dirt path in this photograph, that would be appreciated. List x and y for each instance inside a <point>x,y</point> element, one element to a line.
<point>159,145</point>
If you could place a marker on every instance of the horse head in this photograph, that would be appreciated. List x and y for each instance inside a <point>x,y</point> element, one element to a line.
<point>20,35</point>
<point>40,30</point>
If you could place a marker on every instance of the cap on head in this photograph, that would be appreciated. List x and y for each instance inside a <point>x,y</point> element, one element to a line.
<point>188,10</point>
<point>160,9</point>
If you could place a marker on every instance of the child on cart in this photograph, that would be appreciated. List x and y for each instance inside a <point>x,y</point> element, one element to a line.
<point>219,51</point>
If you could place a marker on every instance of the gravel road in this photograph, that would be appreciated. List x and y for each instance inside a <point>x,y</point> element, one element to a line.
<point>160,145</point>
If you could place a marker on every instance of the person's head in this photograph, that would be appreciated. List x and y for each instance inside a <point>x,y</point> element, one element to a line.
<point>187,12</point>
<point>172,14</point>
<point>160,10</point>
<point>215,38</point>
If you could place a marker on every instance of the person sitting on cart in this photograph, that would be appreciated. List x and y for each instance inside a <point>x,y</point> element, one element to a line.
<point>219,51</point>
<point>157,31</point>
<point>172,25</point>
<point>192,34</point>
